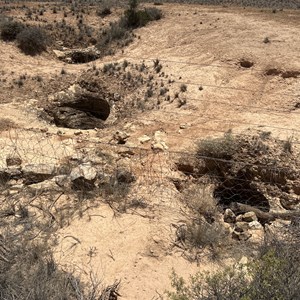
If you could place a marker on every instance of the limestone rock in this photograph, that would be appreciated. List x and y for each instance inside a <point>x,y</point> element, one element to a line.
<point>249,216</point>
<point>255,225</point>
<point>47,185</point>
<point>241,226</point>
<point>13,161</point>
<point>83,177</point>
<point>241,236</point>
<point>229,216</point>
<point>144,139</point>
<point>36,173</point>
<point>159,143</point>
<point>161,146</point>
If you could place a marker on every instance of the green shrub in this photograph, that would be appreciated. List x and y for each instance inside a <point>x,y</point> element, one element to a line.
<point>116,31</point>
<point>140,18</point>
<point>32,40</point>
<point>275,274</point>
<point>219,148</point>
<point>10,29</point>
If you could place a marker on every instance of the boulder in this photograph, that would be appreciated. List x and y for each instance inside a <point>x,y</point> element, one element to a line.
<point>83,177</point>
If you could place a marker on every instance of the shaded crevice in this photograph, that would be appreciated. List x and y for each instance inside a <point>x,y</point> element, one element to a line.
<point>83,111</point>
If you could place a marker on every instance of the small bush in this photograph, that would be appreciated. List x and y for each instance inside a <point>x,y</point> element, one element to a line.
<point>116,31</point>
<point>32,40</point>
<point>10,30</point>
<point>275,274</point>
<point>104,9</point>
<point>140,18</point>
<point>183,88</point>
<point>201,234</point>
<point>201,202</point>
<point>220,148</point>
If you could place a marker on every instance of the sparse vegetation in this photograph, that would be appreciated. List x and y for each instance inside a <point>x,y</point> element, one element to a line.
<point>274,275</point>
<point>32,40</point>
<point>122,29</point>
<point>220,148</point>
<point>10,29</point>
<point>104,9</point>
<point>183,88</point>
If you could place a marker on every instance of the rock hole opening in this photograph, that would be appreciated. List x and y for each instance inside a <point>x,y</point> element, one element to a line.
<point>246,64</point>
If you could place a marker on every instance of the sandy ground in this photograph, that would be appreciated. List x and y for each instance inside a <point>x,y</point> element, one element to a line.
<point>199,46</point>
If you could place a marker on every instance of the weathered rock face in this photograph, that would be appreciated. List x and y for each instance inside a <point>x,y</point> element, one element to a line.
<point>73,118</point>
<point>78,109</point>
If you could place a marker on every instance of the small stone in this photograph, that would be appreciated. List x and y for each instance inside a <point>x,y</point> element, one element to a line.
<point>255,225</point>
<point>184,126</point>
<point>239,218</point>
<point>144,139</point>
<point>229,216</point>
<point>61,180</point>
<point>117,97</point>
<point>17,187</point>
<point>13,161</point>
<point>156,239</point>
<point>249,216</point>
<point>84,170</point>
<point>241,236</point>
<point>121,137</point>
<point>47,185</point>
<point>161,146</point>
<point>77,132</point>
<point>241,226</point>
<point>83,177</point>
<point>243,261</point>
<point>59,54</point>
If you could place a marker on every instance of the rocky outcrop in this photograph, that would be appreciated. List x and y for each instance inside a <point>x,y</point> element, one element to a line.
<point>78,56</point>
<point>78,109</point>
